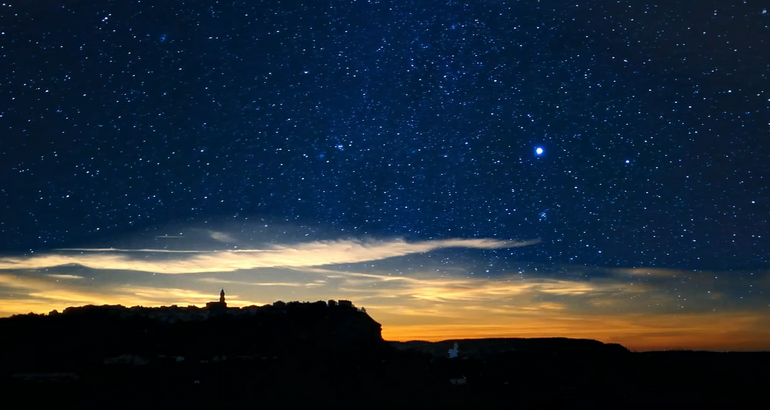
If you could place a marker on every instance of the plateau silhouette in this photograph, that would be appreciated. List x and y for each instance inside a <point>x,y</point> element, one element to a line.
<point>331,352</point>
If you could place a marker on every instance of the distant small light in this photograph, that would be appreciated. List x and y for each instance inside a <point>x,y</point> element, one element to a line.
<point>628,161</point>
<point>539,151</point>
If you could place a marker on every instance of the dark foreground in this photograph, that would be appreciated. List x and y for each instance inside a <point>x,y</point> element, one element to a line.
<point>389,375</point>
<point>331,353</point>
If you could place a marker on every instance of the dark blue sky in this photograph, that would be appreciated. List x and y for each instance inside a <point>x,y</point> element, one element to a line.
<point>415,119</point>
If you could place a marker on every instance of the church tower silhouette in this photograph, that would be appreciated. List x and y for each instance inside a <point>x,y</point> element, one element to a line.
<point>220,306</point>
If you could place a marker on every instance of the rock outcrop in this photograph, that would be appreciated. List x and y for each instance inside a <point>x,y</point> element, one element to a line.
<point>91,334</point>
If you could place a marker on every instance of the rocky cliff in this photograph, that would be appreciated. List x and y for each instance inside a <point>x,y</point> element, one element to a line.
<point>84,335</point>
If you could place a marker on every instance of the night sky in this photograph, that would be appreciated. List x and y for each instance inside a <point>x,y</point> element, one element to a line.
<point>462,169</point>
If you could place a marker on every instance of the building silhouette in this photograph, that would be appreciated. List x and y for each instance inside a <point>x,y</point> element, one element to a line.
<point>218,306</point>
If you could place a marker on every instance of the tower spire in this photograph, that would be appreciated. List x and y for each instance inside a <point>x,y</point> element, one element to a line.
<point>220,306</point>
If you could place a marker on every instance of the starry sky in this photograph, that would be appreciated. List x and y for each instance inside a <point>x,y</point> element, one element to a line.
<point>483,168</point>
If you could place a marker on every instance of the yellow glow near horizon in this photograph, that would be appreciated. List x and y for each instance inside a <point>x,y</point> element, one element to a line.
<point>634,307</point>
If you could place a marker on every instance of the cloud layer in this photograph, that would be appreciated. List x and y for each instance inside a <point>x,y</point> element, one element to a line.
<point>317,253</point>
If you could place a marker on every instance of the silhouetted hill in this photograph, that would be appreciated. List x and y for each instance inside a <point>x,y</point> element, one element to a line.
<point>482,348</point>
<point>88,335</point>
<point>310,354</point>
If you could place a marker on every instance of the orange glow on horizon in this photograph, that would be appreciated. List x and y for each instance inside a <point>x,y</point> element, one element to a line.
<point>713,340</point>
<point>635,332</point>
<point>610,305</point>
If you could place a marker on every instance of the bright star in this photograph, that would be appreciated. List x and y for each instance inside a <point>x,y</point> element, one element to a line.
<point>539,151</point>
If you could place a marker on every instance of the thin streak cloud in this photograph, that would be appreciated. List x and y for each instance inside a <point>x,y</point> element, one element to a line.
<point>240,282</point>
<point>138,250</point>
<point>59,276</point>
<point>295,255</point>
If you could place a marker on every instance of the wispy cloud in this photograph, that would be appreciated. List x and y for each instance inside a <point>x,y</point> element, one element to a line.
<point>648,272</point>
<point>137,250</point>
<point>246,283</point>
<point>293,255</point>
<point>58,276</point>
<point>222,237</point>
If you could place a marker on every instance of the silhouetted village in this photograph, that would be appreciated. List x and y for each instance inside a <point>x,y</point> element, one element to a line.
<point>324,352</point>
